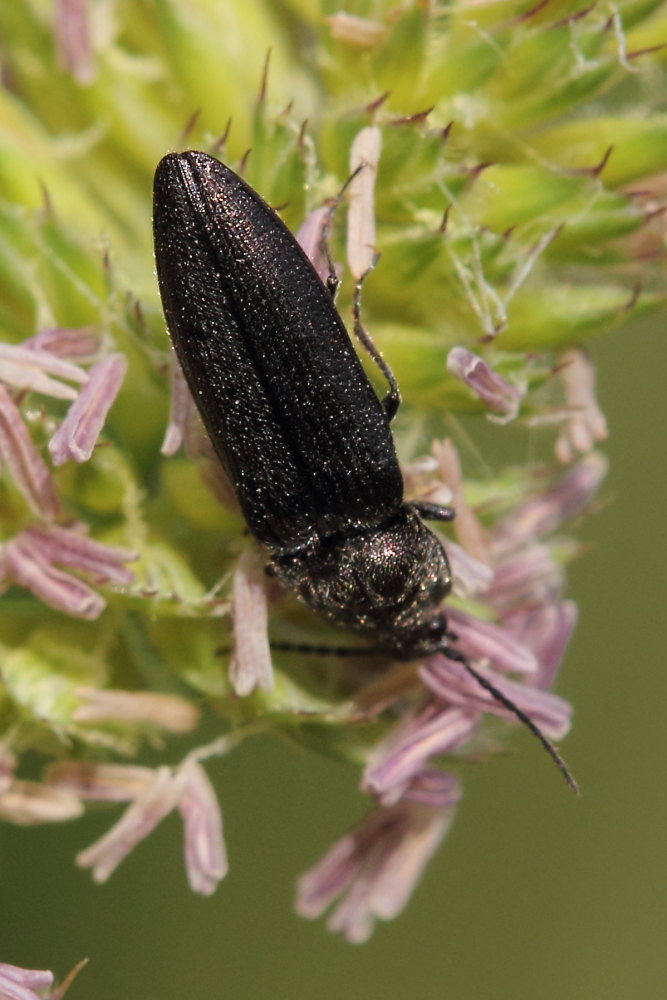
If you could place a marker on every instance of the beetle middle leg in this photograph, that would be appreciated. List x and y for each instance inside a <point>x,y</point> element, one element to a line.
<point>392,400</point>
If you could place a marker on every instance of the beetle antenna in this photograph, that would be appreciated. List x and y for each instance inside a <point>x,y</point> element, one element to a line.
<point>454,654</point>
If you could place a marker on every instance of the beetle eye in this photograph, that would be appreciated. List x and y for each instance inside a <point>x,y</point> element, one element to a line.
<point>388,569</point>
<point>387,579</point>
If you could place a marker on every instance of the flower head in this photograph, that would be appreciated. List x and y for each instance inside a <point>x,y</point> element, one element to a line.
<point>498,185</point>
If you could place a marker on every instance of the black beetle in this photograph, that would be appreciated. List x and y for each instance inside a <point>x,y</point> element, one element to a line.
<point>293,417</point>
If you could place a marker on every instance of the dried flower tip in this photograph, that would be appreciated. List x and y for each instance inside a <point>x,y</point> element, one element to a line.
<point>167,711</point>
<point>494,391</point>
<point>361,32</point>
<point>585,423</point>
<point>77,435</point>
<point>365,153</point>
<point>25,465</point>
<point>250,665</point>
<point>99,782</point>
<point>63,987</point>
<point>27,803</point>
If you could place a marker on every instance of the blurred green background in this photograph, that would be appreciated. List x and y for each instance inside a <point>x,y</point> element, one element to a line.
<point>535,894</point>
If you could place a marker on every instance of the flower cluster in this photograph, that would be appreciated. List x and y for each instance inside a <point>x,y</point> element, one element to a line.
<point>441,708</point>
<point>33,555</point>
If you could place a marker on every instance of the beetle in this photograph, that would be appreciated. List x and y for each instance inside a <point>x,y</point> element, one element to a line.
<point>293,417</point>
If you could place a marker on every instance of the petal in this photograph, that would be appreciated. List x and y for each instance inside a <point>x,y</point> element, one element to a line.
<point>525,577</point>
<point>180,409</point>
<point>25,465</point>
<point>67,547</point>
<point>434,788</point>
<point>434,728</point>
<point>80,343</point>
<point>310,235</point>
<point>30,368</point>
<point>374,868</point>
<point>547,511</point>
<point>99,782</point>
<point>421,481</point>
<point>467,527</point>
<point>72,38</point>
<point>136,823</point>
<point>28,567</point>
<point>361,32</point>
<point>250,665</point>
<point>470,576</point>
<point>77,435</point>
<point>424,831</point>
<point>28,803</point>
<point>483,640</point>
<point>167,711</point>
<point>329,878</point>
<point>365,153</point>
<point>450,681</point>
<point>547,630</point>
<point>7,768</point>
<point>494,391</point>
<point>586,422</point>
<point>20,984</point>
<point>205,853</point>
